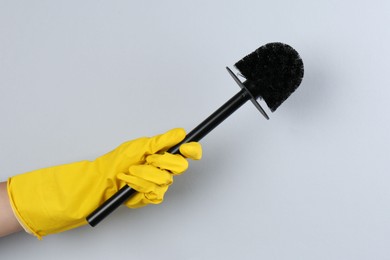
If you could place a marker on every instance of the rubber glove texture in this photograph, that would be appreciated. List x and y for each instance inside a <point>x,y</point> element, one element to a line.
<point>59,198</point>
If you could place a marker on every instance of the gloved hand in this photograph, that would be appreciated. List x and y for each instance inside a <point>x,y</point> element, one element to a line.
<point>59,198</point>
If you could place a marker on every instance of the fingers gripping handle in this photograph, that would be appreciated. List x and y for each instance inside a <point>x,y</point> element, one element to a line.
<point>194,136</point>
<point>120,197</point>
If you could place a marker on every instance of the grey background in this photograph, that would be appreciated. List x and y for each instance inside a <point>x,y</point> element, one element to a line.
<point>77,78</point>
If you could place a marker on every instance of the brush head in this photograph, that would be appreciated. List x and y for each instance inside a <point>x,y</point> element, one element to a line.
<point>273,72</point>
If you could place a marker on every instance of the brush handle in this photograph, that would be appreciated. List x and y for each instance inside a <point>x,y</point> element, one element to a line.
<point>194,136</point>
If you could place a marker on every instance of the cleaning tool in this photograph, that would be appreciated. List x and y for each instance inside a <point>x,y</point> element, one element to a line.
<point>272,72</point>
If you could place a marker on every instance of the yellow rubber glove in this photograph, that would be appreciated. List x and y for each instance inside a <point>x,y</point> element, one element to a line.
<point>59,198</point>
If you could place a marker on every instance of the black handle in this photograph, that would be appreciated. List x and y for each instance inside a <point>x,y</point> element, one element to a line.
<point>194,136</point>
<point>110,205</point>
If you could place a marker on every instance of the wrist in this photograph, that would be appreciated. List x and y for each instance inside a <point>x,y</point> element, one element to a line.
<point>9,222</point>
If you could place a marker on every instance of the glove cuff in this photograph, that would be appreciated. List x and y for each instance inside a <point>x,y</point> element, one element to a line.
<point>18,216</point>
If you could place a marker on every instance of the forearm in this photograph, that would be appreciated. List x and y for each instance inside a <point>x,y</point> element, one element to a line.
<point>8,222</point>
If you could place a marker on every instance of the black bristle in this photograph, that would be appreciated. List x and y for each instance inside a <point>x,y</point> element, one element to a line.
<point>274,70</point>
